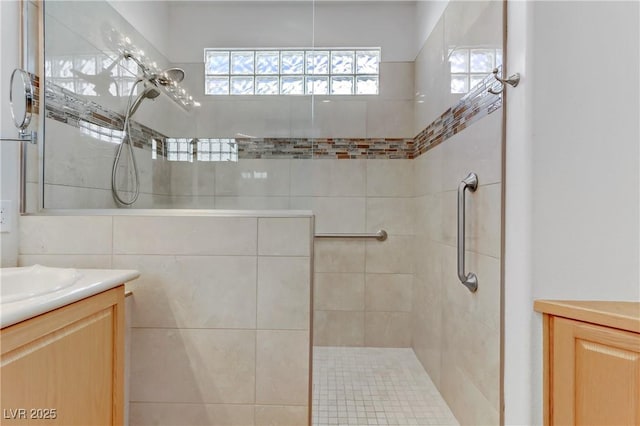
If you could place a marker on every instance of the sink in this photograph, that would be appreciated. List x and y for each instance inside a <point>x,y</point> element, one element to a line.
<point>33,290</point>
<point>31,281</point>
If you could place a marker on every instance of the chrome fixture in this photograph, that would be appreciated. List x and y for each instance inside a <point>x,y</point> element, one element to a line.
<point>512,81</point>
<point>21,95</point>
<point>381,235</point>
<point>151,82</point>
<point>149,92</point>
<point>469,280</point>
<point>171,76</point>
<point>21,103</point>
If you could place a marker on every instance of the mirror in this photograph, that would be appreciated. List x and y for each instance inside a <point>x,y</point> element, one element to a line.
<point>21,98</point>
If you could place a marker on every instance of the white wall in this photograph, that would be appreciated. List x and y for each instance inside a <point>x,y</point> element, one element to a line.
<point>427,15</point>
<point>572,228</point>
<point>389,25</point>
<point>9,45</point>
<point>151,18</point>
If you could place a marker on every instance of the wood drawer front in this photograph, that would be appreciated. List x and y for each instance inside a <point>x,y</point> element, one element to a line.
<point>595,374</point>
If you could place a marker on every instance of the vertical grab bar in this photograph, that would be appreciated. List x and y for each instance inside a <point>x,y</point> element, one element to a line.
<point>469,280</point>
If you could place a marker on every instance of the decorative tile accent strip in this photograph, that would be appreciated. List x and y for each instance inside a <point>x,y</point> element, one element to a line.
<point>473,106</point>
<point>335,148</point>
<point>67,107</point>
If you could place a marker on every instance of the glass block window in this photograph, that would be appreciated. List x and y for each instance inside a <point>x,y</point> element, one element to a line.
<point>469,66</point>
<point>292,72</point>
<point>100,133</point>
<point>186,149</point>
<point>180,149</point>
<point>92,75</point>
<point>217,150</point>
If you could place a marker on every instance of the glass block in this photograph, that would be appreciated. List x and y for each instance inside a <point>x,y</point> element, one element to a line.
<point>481,60</point>
<point>341,85</point>
<point>267,62</point>
<point>317,85</point>
<point>476,79</point>
<point>459,84</point>
<point>217,86</point>
<point>226,145</point>
<point>127,67</point>
<point>266,85</point>
<point>342,62</point>
<point>217,62</point>
<point>498,57</point>
<point>84,88</point>
<point>242,85</point>
<point>292,62</point>
<point>63,67</point>
<point>86,65</point>
<point>65,84</point>
<point>242,62</point>
<point>459,60</point>
<point>292,85</point>
<point>366,85</point>
<point>367,61</point>
<point>204,156</point>
<point>317,62</point>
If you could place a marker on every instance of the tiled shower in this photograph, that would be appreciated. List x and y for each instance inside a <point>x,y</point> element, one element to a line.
<point>236,299</point>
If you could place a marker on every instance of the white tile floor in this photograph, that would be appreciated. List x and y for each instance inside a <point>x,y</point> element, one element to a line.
<point>374,386</point>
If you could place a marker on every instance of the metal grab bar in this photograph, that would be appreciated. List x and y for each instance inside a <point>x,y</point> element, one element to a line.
<point>469,280</point>
<point>381,235</point>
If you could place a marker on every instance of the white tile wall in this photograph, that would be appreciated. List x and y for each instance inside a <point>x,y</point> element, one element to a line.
<point>208,285</point>
<point>460,351</point>
<point>193,366</point>
<point>282,367</point>
<point>196,236</point>
<point>283,293</point>
<point>193,291</point>
<point>282,237</point>
<point>65,235</point>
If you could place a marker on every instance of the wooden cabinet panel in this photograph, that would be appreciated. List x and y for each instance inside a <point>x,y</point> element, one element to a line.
<point>65,367</point>
<point>594,374</point>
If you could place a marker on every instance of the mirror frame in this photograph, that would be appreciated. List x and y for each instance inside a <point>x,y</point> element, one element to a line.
<point>23,122</point>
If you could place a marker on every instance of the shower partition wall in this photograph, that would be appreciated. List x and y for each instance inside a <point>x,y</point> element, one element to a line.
<point>360,163</point>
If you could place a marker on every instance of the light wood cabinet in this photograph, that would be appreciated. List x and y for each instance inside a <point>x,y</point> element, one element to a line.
<point>591,363</point>
<point>66,367</point>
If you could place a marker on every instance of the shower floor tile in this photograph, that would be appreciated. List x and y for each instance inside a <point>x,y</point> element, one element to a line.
<point>374,386</point>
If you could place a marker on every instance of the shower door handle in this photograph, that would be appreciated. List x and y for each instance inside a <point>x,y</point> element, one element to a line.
<point>469,280</point>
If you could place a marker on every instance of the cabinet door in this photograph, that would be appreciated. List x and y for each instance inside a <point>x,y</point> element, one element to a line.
<point>62,368</point>
<point>595,375</point>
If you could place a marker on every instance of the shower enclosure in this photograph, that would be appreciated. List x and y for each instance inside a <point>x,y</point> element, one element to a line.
<point>257,126</point>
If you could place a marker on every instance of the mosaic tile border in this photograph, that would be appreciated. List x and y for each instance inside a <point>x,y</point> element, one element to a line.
<point>333,148</point>
<point>67,107</point>
<point>472,107</point>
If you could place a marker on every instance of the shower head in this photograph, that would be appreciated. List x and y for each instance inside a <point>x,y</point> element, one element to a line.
<point>170,76</point>
<point>164,78</point>
<point>149,92</point>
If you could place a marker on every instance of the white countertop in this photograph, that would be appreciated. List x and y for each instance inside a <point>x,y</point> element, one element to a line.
<point>91,282</point>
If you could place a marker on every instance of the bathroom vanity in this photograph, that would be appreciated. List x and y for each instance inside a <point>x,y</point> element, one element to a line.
<point>66,366</point>
<point>591,362</point>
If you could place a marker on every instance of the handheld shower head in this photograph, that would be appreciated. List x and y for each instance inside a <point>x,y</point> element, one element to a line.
<point>149,92</point>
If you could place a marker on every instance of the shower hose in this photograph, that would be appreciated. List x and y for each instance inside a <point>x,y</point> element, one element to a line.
<point>126,140</point>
